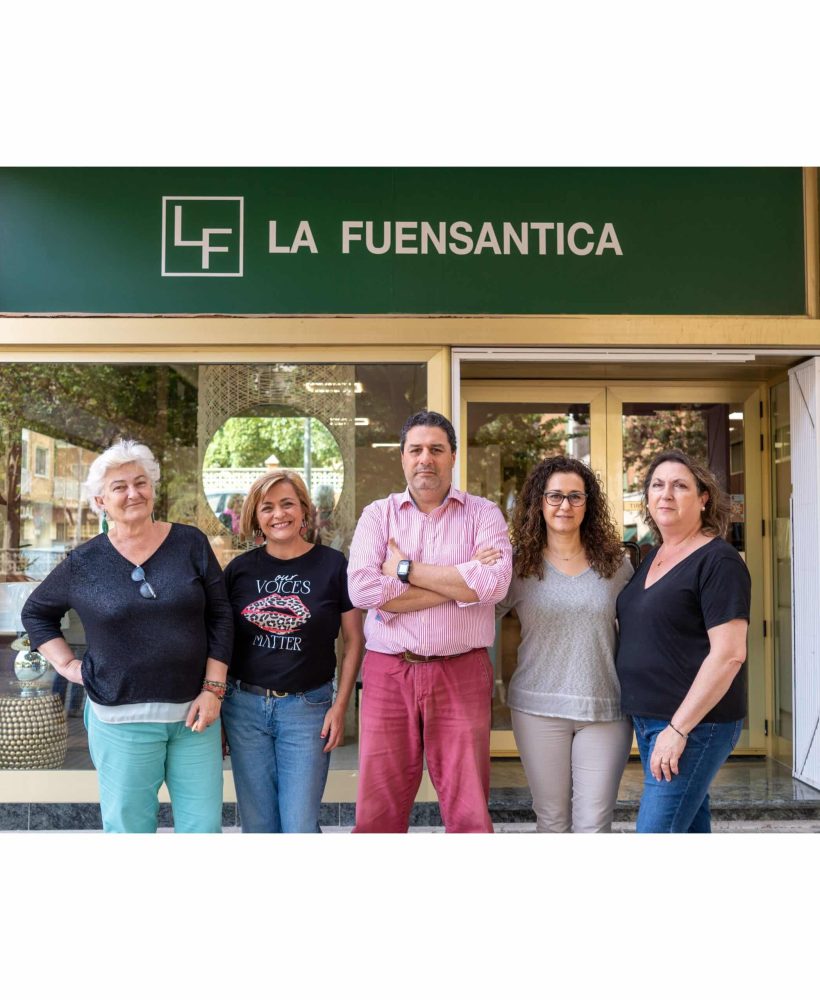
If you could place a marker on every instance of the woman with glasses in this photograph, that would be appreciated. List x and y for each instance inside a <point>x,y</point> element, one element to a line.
<point>159,634</point>
<point>568,569</point>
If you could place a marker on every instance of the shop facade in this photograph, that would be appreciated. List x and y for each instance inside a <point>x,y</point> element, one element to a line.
<point>604,313</point>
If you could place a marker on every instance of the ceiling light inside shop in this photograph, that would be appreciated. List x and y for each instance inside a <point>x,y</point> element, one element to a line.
<point>736,416</point>
<point>344,387</point>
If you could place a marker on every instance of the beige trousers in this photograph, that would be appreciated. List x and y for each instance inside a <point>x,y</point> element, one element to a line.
<point>573,769</point>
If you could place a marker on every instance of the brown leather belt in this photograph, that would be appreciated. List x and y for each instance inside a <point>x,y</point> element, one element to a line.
<point>409,657</point>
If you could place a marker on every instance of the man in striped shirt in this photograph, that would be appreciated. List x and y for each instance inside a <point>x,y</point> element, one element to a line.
<point>429,564</point>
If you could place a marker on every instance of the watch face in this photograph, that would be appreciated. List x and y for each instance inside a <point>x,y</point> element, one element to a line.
<point>403,569</point>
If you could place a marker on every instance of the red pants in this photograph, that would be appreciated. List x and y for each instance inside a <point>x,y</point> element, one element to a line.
<point>441,708</point>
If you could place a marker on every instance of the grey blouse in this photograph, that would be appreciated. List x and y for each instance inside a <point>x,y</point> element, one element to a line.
<point>566,660</point>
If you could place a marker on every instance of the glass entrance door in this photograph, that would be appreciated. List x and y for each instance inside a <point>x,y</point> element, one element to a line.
<point>508,427</point>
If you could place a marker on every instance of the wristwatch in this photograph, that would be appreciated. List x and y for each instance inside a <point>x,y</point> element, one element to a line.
<point>403,570</point>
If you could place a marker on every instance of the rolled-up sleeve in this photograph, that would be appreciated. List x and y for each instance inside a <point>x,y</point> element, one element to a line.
<point>490,583</point>
<point>367,586</point>
<point>506,604</point>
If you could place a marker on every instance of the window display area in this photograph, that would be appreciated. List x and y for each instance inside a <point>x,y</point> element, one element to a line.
<point>213,429</point>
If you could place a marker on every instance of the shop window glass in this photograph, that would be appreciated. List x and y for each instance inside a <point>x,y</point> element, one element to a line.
<point>338,425</point>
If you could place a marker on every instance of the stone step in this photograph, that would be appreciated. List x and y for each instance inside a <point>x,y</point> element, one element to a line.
<point>719,826</point>
<point>514,806</point>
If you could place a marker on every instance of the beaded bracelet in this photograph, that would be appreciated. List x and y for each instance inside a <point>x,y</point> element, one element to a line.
<point>216,688</point>
<point>683,736</point>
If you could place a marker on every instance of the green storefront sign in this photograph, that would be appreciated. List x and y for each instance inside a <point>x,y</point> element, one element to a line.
<point>402,240</point>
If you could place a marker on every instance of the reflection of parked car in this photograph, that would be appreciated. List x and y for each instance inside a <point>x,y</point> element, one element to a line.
<point>227,506</point>
<point>218,501</point>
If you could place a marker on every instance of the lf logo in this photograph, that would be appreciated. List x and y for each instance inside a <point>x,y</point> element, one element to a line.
<point>202,237</point>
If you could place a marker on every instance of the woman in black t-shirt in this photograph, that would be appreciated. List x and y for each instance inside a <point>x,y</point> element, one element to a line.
<point>289,599</point>
<point>683,620</point>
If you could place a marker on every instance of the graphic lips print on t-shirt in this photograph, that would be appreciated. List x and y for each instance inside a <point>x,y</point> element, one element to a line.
<point>276,613</point>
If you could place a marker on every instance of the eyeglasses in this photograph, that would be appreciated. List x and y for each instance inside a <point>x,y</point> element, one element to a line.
<point>555,499</point>
<point>138,576</point>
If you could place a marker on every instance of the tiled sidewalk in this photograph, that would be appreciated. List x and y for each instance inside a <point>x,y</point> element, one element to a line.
<point>726,826</point>
<point>748,795</point>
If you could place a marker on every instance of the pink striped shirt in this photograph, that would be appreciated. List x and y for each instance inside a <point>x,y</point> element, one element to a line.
<point>447,536</point>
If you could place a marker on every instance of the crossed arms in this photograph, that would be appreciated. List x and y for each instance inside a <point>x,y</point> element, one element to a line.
<point>481,578</point>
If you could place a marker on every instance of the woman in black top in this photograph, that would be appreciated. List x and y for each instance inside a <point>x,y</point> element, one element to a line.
<point>683,620</point>
<point>289,600</point>
<point>159,633</point>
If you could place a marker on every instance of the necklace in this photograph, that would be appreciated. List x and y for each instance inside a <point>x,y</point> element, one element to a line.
<point>566,558</point>
<point>678,545</point>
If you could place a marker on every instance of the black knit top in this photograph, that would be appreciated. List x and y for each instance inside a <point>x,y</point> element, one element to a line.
<point>139,649</point>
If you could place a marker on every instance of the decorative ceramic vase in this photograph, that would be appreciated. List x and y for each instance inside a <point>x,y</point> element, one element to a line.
<point>32,670</point>
<point>33,733</point>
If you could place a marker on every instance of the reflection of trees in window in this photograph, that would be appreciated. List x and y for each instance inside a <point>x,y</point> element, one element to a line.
<point>245,445</point>
<point>509,445</point>
<point>91,406</point>
<point>248,441</point>
<point>526,439</point>
<point>646,435</point>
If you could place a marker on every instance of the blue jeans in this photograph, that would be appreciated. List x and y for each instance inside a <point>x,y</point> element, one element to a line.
<point>278,759</point>
<point>134,758</point>
<point>682,804</point>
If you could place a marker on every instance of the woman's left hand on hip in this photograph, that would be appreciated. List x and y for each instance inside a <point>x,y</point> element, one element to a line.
<point>204,712</point>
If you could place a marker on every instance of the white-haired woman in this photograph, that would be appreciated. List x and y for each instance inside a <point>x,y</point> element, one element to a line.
<point>159,634</point>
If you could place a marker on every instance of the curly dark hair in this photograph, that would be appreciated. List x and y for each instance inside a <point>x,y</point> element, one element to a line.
<point>599,536</point>
<point>717,513</point>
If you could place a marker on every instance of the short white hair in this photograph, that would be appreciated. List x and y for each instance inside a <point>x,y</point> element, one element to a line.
<point>121,453</point>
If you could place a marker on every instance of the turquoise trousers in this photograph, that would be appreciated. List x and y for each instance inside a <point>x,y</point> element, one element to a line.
<point>133,759</point>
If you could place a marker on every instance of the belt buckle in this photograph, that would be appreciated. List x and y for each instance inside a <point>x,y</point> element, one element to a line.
<point>409,657</point>
<point>277,694</point>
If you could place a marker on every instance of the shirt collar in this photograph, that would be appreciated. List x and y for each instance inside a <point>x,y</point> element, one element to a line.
<point>402,499</point>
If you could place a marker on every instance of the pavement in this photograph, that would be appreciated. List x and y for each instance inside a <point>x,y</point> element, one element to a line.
<point>726,826</point>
